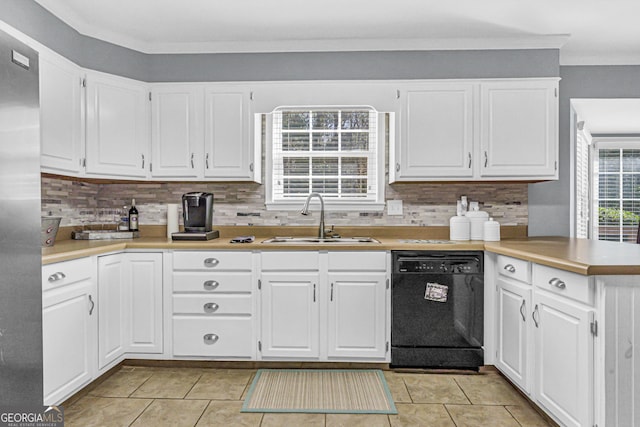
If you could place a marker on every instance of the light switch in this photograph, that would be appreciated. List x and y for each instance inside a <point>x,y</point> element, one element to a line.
<point>394,207</point>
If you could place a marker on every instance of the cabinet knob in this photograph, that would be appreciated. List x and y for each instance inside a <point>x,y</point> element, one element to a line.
<point>210,307</point>
<point>210,339</point>
<point>211,262</point>
<point>56,276</point>
<point>557,283</point>
<point>210,285</point>
<point>510,268</point>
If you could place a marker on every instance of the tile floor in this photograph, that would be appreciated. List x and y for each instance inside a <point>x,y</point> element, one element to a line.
<point>155,396</point>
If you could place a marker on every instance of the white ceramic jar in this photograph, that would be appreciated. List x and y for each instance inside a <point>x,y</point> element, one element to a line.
<point>491,230</point>
<point>477,218</point>
<point>459,228</point>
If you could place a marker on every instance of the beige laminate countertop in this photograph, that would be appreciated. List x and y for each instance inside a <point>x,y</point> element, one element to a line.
<point>587,257</point>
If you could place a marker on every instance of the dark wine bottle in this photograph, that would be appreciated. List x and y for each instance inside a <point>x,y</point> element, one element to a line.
<point>133,216</point>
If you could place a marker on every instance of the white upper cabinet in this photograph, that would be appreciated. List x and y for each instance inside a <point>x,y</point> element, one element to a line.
<point>60,115</point>
<point>436,136</point>
<point>117,127</point>
<point>203,132</point>
<point>519,129</point>
<point>229,146</point>
<point>176,131</point>
<point>476,130</point>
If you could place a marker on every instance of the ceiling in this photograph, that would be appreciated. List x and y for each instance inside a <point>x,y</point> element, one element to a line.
<point>609,116</point>
<point>587,31</point>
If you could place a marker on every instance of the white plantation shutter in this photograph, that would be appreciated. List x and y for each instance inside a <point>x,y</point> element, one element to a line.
<point>582,184</point>
<point>329,151</point>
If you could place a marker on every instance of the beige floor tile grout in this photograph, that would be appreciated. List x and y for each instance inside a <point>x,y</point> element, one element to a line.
<point>192,386</point>
<point>142,412</point>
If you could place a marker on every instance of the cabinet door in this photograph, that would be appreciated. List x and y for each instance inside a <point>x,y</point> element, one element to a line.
<point>113,320</point>
<point>436,138</point>
<point>117,127</point>
<point>514,304</point>
<point>357,315</point>
<point>290,314</point>
<point>564,359</point>
<point>143,280</point>
<point>519,129</point>
<point>228,142</point>
<point>176,131</point>
<point>60,115</point>
<point>69,324</point>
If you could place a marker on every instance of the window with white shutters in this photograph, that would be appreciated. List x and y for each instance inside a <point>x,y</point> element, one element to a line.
<point>616,190</point>
<point>331,151</point>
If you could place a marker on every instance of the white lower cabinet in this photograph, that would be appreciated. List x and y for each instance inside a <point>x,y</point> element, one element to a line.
<point>111,309</point>
<point>324,306</point>
<point>290,321</point>
<point>564,359</point>
<point>514,304</point>
<point>130,305</point>
<point>143,273</point>
<point>69,326</point>
<point>213,305</point>
<point>546,341</point>
<point>356,324</point>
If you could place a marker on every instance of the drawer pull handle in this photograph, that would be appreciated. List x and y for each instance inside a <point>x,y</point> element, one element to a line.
<point>510,268</point>
<point>93,305</point>
<point>210,307</point>
<point>533,315</point>
<point>524,319</point>
<point>557,283</point>
<point>57,276</point>
<point>210,339</point>
<point>210,285</point>
<point>211,262</point>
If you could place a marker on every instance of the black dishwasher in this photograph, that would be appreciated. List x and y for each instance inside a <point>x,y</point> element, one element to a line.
<point>437,300</point>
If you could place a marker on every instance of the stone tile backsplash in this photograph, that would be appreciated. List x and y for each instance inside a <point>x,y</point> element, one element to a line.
<point>424,204</point>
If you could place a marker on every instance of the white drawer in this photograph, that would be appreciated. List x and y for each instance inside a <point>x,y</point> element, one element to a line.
<point>211,304</point>
<point>211,260</point>
<point>65,273</point>
<point>357,261</point>
<point>213,337</point>
<point>515,268</point>
<point>565,283</point>
<point>184,281</point>
<point>290,260</point>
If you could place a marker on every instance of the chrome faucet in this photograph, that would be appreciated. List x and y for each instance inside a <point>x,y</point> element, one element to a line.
<point>305,211</point>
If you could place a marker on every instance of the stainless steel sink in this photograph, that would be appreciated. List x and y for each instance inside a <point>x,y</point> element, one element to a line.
<point>317,240</point>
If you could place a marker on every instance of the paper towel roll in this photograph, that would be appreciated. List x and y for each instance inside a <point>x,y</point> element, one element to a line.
<point>172,219</point>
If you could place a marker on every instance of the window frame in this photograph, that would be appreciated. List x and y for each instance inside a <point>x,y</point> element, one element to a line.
<point>376,204</point>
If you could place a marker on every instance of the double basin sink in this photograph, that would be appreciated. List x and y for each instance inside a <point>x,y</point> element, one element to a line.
<point>318,240</point>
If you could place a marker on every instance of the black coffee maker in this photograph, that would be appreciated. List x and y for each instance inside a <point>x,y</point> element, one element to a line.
<point>197,212</point>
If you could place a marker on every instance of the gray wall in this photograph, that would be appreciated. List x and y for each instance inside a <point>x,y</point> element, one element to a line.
<point>549,202</point>
<point>35,21</point>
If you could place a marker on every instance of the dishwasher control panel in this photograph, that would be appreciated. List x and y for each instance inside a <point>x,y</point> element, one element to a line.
<point>463,265</point>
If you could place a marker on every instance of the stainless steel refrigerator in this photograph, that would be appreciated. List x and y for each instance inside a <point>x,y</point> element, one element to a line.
<point>20,245</point>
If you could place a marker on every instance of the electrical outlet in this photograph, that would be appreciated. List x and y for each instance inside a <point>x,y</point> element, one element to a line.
<point>394,207</point>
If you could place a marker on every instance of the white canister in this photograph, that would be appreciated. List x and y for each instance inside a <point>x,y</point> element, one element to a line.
<point>459,228</point>
<point>172,219</point>
<point>491,231</point>
<point>477,218</point>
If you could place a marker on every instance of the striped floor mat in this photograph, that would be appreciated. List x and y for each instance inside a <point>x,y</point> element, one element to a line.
<point>322,391</point>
